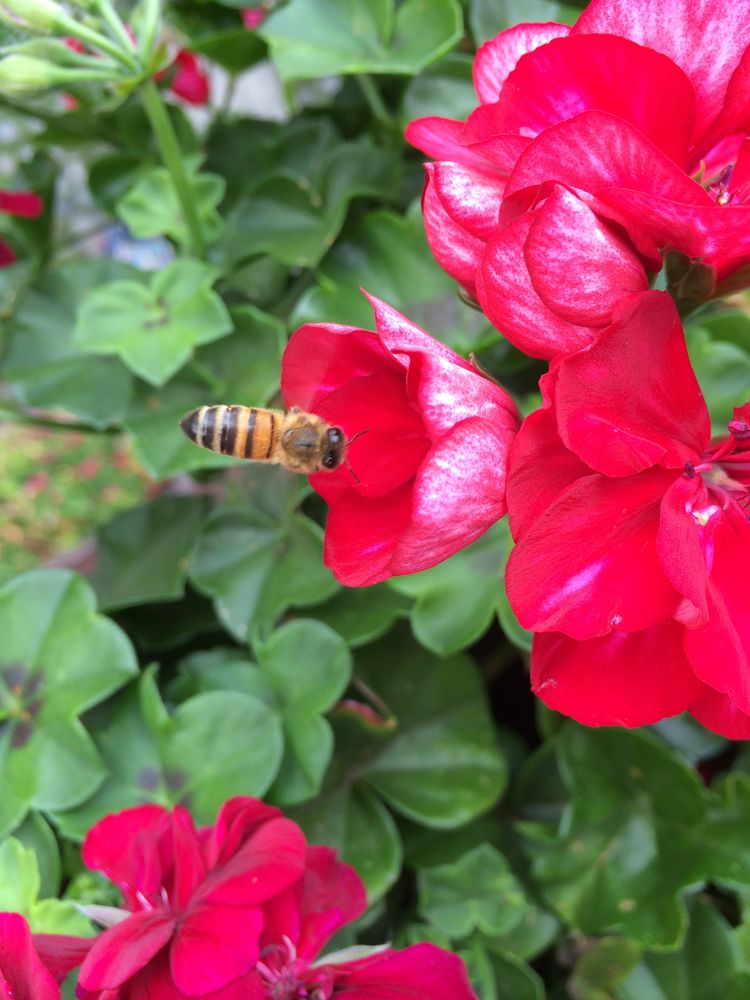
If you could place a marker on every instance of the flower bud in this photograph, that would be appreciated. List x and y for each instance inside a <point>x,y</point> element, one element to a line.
<point>20,73</point>
<point>42,15</point>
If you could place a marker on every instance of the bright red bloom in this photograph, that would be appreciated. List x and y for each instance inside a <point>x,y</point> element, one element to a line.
<point>428,476</point>
<point>253,17</point>
<point>31,968</point>
<point>301,920</point>
<point>195,899</point>
<point>25,205</point>
<point>594,150</point>
<point>632,534</point>
<point>187,79</point>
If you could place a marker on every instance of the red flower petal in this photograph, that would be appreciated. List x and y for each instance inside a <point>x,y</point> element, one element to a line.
<point>617,421</point>
<point>128,847</point>
<point>328,896</point>
<point>213,946</point>
<point>620,679</point>
<point>118,953</point>
<point>453,247</point>
<point>680,549</point>
<point>584,72</point>
<point>60,953</point>
<point>267,862</point>
<point>189,81</point>
<point>567,238</point>
<point>512,304</point>
<point>441,138</point>
<point>362,533</point>
<point>717,712</point>
<point>680,31</point>
<point>25,204</point>
<point>589,563</point>
<point>7,257</point>
<point>597,150</point>
<point>540,468</point>
<point>471,198</point>
<point>22,974</point>
<point>190,866</point>
<point>735,115</point>
<point>238,819</point>
<point>422,972</point>
<point>720,650</point>
<point>498,57</point>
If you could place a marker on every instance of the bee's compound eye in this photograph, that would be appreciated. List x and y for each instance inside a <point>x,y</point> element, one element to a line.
<point>335,435</point>
<point>329,460</point>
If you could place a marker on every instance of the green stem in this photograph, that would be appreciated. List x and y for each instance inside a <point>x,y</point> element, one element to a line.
<point>173,160</point>
<point>99,41</point>
<point>151,10</point>
<point>375,102</point>
<point>114,21</point>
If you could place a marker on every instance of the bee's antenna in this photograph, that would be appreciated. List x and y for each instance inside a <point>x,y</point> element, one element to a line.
<point>347,463</point>
<point>357,435</point>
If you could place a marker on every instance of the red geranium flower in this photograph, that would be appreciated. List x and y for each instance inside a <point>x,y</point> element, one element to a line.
<point>187,79</point>
<point>25,205</point>
<point>594,150</point>
<point>632,534</point>
<point>31,968</point>
<point>194,899</point>
<point>428,476</point>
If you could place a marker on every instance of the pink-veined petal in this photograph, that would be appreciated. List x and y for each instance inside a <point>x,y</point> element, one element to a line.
<point>585,72</point>
<point>498,57</point>
<point>620,679</point>
<point>703,37</point>
<point>441,139</point>
<point>453,247</point>
<point>471,198</point>
<point>578,264</point>
<point>512,304</point>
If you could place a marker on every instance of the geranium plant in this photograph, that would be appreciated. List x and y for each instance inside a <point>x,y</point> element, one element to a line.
<point>362,736</point>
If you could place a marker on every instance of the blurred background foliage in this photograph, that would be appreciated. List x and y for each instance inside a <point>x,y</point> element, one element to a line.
<point>211,652</point>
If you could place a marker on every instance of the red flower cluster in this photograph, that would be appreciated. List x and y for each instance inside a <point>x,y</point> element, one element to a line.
<point>594,151</point>
<point>25,205</point>
<point>427,476</point>
<point>187,78</point>
<point>632,532</point>
<point>236,911</point>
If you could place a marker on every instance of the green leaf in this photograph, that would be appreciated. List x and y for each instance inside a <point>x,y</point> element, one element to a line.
<point>295,215</point>
<point>308,667</point>
<point>445,89</point>
<point>427,747</point>
<point>36,834</point>
<point>244,368</point>
<point>388,255</point>
<point>151,207</point>
<point>710,964</point>
<point>312,38</point>
<point>501,976</point>
<point>449,616</point>
<point>477,892</point>
<point>489,17</point>
<point>142,552</point>
<point>358,825</point>
<point>255,566</point>
<point>19,892</point>
<point>154,329</point>
<point>602,966</point>
<point>722,365</point>
<point>626,849</point>
<point>363,614</point>
<point>58,659</point>
<point>155,756</point>
<point>42,363</point>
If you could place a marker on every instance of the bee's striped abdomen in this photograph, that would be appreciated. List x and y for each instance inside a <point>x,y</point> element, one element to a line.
<point>239,431</point>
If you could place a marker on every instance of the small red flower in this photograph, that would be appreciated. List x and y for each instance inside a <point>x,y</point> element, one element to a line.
<point>31,968</point>
<point>562,170</point>
<point>188,80</point>
<point>253,17</point>
<point>194,899</point>
<point>25,205</point>
<point>632,534</point>
<point>428,476</point>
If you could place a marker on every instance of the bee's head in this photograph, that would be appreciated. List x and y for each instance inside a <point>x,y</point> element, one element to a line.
<point>336,450</point>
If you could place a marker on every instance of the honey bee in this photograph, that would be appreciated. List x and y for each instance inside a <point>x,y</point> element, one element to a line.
<point>298,441</point>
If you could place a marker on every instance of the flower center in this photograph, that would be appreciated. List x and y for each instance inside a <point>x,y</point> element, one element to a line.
<point>286,977</point>
<point>725,470</point>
